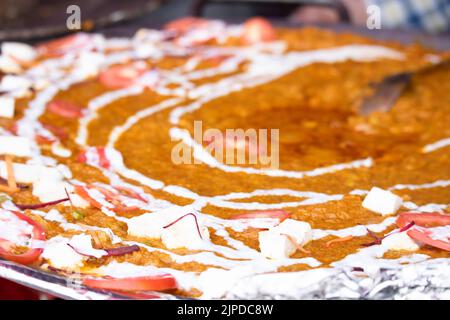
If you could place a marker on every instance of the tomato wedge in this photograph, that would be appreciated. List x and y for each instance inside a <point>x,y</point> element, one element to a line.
<point>130,193</point>
<point>185,24</point>
<point>149,283</point>
<point>65,109</point>
<point>258,30</point>
<point>433,219</point>
<point>29,256</point>
<point>63,45</point>
<point>83,193</point>
<point>103,160</point>
<point>111,197</point>
<point>43,140</point>
<point>59,132</point>
<point>424,235</point>
<point>122,76</point>
<point>275,214</point>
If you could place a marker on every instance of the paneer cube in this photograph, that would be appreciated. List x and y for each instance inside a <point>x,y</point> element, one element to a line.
<point>399,241</point>
<point>382,201</point>
<point>8,65</point>
<point>274,245</point>
<point>12,83</point>
<point>298,230</point>
<point>149,225</point>
<point>21,52</point>
<point>27,173</point>
<point>7,107</point>
<point>60,255</point>
<point>17,146</point>
<point>185,234</point>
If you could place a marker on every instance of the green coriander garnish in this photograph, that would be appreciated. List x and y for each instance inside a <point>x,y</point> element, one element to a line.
<point>77,215</point>
<point>3,198</point>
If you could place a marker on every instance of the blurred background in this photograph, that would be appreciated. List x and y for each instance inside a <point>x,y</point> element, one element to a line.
<point>22,19</point>
<point>425,21</point>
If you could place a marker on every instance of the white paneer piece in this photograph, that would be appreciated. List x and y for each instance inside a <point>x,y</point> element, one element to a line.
<point>185,234</point>
<point>299,231</point>
<point>275,246</point>
<point>399,241</point>
<point>82,243</point>
<point>16,146</point>
<point>7,107</point>
<point>60,255</point>
<point>27,173</point>
<point>151,225</point>
<point>19,51</point>
<point>8,65</point>
<point>14,83</point>
<point>49,190</point>
<point>382,201</point>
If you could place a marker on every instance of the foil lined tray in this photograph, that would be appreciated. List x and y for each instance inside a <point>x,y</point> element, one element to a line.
<point>425,280</point>
<point>61,286</point>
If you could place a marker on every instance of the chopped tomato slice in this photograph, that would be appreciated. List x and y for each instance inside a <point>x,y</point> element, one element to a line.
<point>274,214</point>
<point>59,132</point>
<point>83,193</point>
<point>65,109</point>
<point>43,140</point>
<point>149,283</point>
<point>29,256</point>
<point>185,24</point>
<point>121,76</point>
<point>434,219</point>
<point>114,199</point>
<point>103,161</point>
<point>130,193</point>
<point>63,45</point>
<point>258,30</point>
<point>110,196</point>
<point>424,236</point>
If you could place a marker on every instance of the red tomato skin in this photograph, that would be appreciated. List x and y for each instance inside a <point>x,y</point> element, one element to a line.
<point>182,25</point>
<point>120,76</point>
<point>102,159</point>
<point>130,193</point>
<point>433,219</point>
<point>60,46</point>
<point>59,132</point>
<point>65,109</point>
<point>150,283</point>
<point>82,192</point>
<point>422,236</point>
<point>29,256</point>
<point>258,30</point>
<point>104,162</point>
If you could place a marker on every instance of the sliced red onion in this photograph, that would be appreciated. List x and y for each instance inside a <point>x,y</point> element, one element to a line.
<point>407,227</point>
<point>378,240</point>
<point>88,254</point>
<point>182,217</point>
<point>122,250</point>
<point>39,205</point>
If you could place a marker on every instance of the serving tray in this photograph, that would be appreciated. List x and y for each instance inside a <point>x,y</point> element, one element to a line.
<point>428,279</point>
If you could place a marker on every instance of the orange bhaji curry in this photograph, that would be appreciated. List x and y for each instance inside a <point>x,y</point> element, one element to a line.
<point>119,163</point>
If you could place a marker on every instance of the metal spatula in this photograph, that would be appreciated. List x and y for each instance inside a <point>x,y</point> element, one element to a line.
<point>390,89</point>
